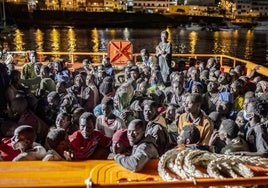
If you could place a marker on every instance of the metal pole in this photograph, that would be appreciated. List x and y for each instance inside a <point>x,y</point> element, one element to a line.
<point>4,14</point>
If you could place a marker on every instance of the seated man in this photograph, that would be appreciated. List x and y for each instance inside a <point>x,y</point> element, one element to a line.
<point>155,127</point>
<point>87,141</point>
<point>143,147</point>
<point>120,144</point>
<point>194,115</point>
<point>227,140</point>
<point>256,135</point>
<point>23,139</point>
<point>190,137</point>
<point>7,153</point>
<point>57,140</point>
<point>108,123</point>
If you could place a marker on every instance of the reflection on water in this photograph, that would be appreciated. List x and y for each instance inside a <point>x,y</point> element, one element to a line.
<point>39,38</point>
<point>55,41</point>
<point>243,43</point>
<point>248,49</point>
<point>18,40</point>
<point>71,40</point>
<point>193,36</point>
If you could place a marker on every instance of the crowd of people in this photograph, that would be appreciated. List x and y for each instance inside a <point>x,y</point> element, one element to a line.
<point>50,113</point>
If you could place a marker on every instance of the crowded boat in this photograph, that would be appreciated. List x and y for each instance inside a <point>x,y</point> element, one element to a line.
<point>178,119</point>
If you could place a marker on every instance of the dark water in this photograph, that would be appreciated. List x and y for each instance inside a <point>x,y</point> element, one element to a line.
<point>241,43</point>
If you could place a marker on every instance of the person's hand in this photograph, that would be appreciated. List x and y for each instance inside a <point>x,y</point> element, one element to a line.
<point>213,138</point>
<point>257,67</point>
<point>68,155</point>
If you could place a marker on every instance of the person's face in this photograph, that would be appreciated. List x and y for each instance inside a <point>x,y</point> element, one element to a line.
<point>240,121</point>
<point>250,111</point>
<point>201,66</point>
<point>234,88</point>
<point>17,108</point>
<point>105,62</point>
<point>222,133</point>
<point>177,88</point>
<point>210,63</point>
<point>134,75</point>
<point>163,37</point>
<point>211,75</point>
<point>32,57</point>
<point>222,78</point>
<point>149,112</point>
<point>212,87</point>
<point>89,80</point>
<point>258,88</point>
<point>19,141</point>
<point>86,127</point>
<point>190,106</point>
<point>78,81</point>
<point>52,102</point>
<point>147,72</point>
<point>196,89</point>
<point>57,67</point>
<point>106,110</point>
<point>16,78</point>
<point>101,75</point>
<point>142,87</point>
<point>10,67</point>
<point>144,55</point>
<point>223,107</point>
<point>245,104</point>
<point>86,65</point>
<point>76,116</point>
<point>63,146</point>
<point>127,72</point>
<point>195,75</point>
<point>62,122</point>
<point>170,113</point>
<point>134,134</point>
<point>60,88</point>
<point>181,138</point>
<point>117,147</point>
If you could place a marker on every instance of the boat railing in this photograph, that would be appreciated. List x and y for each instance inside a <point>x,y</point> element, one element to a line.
<point>75,58</point>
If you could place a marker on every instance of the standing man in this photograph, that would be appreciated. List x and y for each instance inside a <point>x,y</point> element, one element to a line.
<point>28,68</point>
<point>164,54</point>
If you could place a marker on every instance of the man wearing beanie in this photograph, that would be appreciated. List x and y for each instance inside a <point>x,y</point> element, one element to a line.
<point>120,144</point>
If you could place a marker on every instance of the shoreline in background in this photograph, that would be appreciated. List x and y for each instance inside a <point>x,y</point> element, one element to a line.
<point>19,15</point>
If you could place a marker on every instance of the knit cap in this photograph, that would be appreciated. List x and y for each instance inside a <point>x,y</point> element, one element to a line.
<point>121,137</point>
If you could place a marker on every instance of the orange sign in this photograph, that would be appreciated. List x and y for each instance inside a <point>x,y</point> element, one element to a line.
<point>120,51</point>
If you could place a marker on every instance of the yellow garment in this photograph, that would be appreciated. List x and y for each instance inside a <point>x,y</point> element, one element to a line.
<point>203,123</point>
<point>238,103</point>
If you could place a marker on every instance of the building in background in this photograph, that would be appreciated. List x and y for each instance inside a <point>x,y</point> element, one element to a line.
<point>152,6</point>
<point>260,8</point>
<point>233,9</point>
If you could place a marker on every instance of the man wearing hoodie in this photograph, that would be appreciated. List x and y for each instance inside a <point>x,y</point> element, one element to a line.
<point>143,148</point>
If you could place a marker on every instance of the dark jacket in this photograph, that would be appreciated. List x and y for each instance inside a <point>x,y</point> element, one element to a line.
<point>141,153</point>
